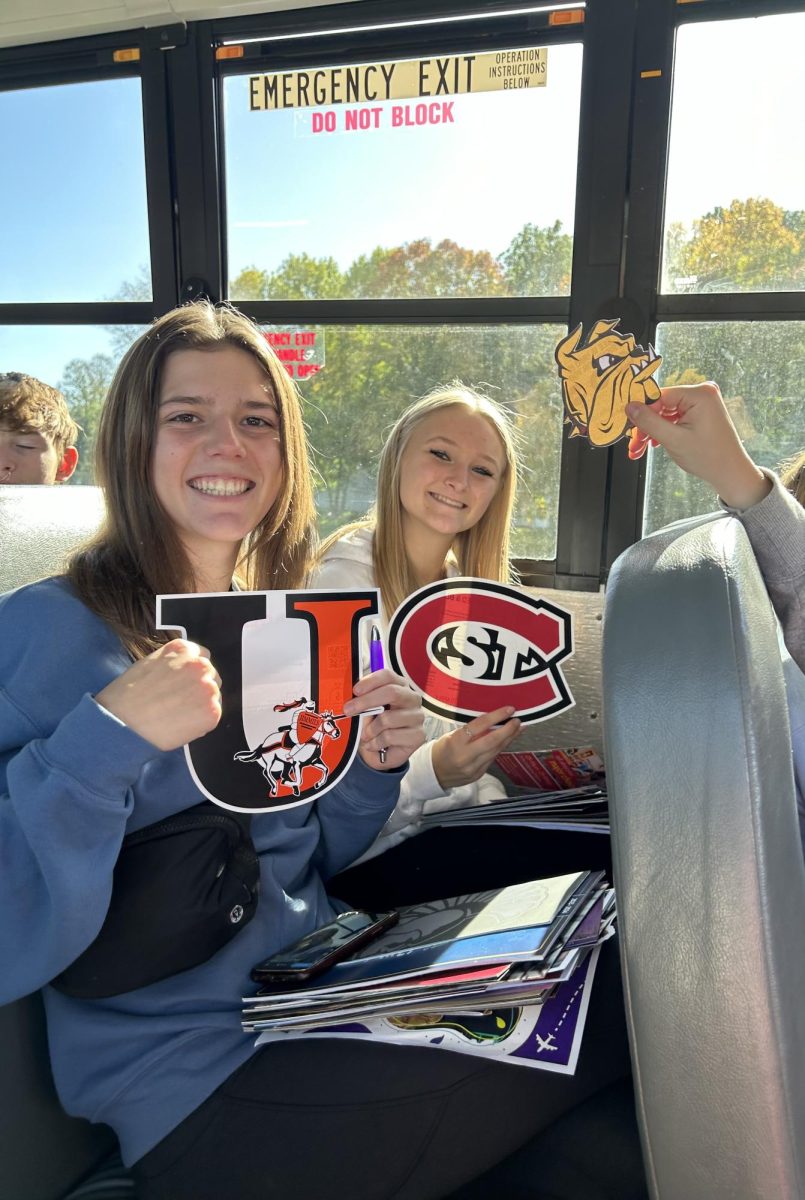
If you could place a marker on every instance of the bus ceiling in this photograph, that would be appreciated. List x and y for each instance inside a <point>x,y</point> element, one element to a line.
<point>24,22</point>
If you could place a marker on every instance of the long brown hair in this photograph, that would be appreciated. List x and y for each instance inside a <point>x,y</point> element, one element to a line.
<point>481,551</point>
<point>138,554</point>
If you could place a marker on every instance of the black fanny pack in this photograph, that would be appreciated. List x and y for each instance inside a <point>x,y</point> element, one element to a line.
<point>182,889</point>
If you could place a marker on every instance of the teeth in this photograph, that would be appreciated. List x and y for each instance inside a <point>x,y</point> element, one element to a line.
<point>220,487</point>
<point>447,500</point>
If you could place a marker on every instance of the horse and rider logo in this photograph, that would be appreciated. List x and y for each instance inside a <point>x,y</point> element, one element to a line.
<point>295,747</point>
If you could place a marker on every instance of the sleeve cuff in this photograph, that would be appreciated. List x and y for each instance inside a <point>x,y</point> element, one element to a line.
<point>422,784</point>
<point>368,789</point>
<point>97,750</point>
<point>739,512</point>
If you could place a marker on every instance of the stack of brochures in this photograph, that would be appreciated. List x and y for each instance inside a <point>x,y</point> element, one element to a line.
<point>553,770</point>
<point>553,789</point>
<point>505,973</point>
<point>583,809</point>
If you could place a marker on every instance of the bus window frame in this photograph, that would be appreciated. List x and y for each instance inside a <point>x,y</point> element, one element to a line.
<point>88,60</point>
<point>618,220</point>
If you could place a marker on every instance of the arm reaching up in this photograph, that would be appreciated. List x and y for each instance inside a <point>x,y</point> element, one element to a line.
<point>701,439</point>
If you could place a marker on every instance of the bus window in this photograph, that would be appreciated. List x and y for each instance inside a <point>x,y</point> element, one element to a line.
<point>733,234</point>
<point>735,198</point>
<point>423,185</point>
<point>760,368</point>
<point>73,209</point>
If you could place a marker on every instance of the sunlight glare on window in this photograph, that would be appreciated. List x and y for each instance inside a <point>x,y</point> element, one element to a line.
<point>735,202</point>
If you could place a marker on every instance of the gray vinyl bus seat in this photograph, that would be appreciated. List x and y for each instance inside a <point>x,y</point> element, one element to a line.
<point>43,1152</point>
<point>40,525</point>
<point>708,865</point>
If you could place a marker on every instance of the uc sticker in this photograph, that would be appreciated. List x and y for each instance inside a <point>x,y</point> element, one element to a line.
<point>288,662</point>
<point>470,645</point>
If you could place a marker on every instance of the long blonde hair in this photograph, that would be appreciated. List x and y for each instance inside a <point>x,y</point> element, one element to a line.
<point>137,553</point>
<point>482,550</point>
<point>792,474</point>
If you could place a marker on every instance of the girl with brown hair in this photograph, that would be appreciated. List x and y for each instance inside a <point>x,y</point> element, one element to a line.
<point>203,460</point>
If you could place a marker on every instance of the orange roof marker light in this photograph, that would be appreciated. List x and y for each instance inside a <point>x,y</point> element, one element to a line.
<point>130,55</point>
<point>228,52</point>
<point>566,16</point>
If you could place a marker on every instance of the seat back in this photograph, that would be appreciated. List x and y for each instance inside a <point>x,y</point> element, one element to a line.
<point>40,525</point>
<point>42,1150</point>
<point>708,865</point>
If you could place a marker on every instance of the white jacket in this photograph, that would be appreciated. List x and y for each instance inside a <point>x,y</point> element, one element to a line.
<point>348,564</point>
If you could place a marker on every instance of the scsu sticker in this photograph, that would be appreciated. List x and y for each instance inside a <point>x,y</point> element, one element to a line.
<point>470,645</point>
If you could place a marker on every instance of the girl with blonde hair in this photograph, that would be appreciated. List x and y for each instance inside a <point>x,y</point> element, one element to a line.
<point>792,476</point>
<point>446,489</point>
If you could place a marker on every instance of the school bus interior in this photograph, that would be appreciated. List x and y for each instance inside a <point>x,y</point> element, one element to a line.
<point>630,161</point>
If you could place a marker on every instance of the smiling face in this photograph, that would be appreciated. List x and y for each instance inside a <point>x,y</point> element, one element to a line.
<point>450,470</point>
<point>217,461</point>
<point>27,456</point>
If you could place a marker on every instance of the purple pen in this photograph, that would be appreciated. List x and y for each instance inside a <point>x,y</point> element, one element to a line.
<point>376,663</point>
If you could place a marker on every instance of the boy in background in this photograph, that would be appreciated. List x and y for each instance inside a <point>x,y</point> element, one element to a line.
<point>37,433</point>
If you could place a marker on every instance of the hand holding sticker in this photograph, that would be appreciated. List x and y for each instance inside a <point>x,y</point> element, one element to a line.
<point>466,754</point>
<point>700,437</point>
<point>392,736</point>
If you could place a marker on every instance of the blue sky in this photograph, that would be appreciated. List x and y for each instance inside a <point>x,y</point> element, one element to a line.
<point>74,225</point>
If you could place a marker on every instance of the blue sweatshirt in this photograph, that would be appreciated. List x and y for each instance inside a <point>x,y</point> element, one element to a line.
<point>73,781</point>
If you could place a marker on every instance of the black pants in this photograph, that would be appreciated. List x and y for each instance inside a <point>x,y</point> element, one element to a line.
<point>349,1120</point>
<point>468,858</point>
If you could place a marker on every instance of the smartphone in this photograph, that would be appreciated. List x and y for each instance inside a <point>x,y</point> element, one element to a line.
<point>316,951</point>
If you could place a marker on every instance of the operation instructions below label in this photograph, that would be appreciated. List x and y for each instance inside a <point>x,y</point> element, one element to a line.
<point>497,71</point>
